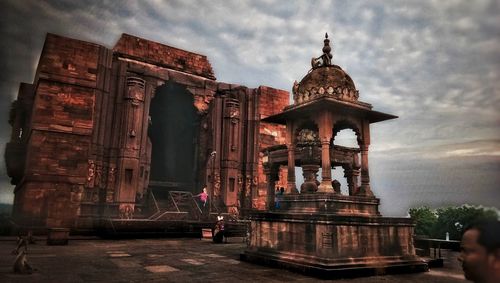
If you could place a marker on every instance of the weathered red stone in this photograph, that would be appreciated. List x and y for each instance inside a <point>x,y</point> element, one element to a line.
<point>84,144</point>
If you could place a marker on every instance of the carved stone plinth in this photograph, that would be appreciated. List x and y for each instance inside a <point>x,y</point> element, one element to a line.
<point>332,246</point>
<point>331,236</point>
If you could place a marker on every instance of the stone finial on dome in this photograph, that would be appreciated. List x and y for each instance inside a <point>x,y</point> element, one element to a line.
<point>327,48</point>
<point>326,58</point>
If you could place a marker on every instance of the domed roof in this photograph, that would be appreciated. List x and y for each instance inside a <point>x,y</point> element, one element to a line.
<point>325,79</point>
<point>326,76</point>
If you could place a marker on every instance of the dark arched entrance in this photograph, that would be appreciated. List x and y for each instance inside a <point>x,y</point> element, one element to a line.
<point>174,137</point>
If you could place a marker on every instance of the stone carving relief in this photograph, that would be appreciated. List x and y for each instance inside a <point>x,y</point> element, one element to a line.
<point>240,184</point>
<point>135,88</point>
<point>90,173</point>
<point>201,102</point>
<point>95,196</point>
<point>126,211</point>
<point>307,137</point>
<point>248,186</point>
<point>98,176</point>
<point>234,211</point>
<point>111,184</point>
<point>255,204</point>
<point>216,184</point>
<point>89,195</point>
<point>235,115</point>
<point>202,99</point>
<point>345,93</point>
<point>327,240</point>
<point>111,176</point>
<point>109,196</point>
<point>76,193</point>
<point>240,180</point>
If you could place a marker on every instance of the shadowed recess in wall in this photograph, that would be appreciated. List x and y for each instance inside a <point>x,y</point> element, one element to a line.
<point>173,133</point>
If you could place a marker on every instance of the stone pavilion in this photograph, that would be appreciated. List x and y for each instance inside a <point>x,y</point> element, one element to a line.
<point>317,229</point>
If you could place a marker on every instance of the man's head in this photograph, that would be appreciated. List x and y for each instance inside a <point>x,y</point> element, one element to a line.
<point>480,252</point>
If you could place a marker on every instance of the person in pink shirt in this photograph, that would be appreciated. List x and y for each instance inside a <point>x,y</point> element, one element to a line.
<point>203,197</point>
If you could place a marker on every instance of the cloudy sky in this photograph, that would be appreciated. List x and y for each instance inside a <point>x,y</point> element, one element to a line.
<point>435,64</point>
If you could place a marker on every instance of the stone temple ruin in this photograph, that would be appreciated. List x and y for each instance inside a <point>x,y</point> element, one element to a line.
<point>133,131</point>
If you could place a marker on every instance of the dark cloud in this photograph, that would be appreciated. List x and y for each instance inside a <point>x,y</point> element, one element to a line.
<point>433,63</point>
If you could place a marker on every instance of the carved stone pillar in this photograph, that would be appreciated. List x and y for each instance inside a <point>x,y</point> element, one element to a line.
<point>355,176</point>
<point>291,186</point>
<point>364,189</point>
<point>128,162</point>
<point>352,175</point>
<point>350,180</point>
<point>326,168</point>
<point>325,132</point>
<point>309,173</point>
<point>271,177</point>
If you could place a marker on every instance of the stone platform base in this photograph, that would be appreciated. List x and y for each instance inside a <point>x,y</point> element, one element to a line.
<point>332,245</point>
<point>339,270</point>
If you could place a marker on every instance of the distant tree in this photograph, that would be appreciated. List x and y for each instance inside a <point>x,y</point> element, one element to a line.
<point>453,219</point>
<point>425,219</point>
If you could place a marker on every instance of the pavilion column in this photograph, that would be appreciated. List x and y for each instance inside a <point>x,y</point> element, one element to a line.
<point>325,129</point>
<point>291,186</point>
<point>364,189</point>
<point>348,175</point>
<point>354,175</point>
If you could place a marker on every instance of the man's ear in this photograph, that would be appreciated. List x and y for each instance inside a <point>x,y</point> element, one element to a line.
<point>494,259</point>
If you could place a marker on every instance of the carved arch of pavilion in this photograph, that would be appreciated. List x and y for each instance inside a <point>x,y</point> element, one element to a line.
<point>347,123</point>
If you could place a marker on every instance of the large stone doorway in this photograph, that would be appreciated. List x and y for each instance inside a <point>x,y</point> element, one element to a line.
<point>173,132</point>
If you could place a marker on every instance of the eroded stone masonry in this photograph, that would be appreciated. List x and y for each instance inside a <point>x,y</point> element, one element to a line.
<point>101,131</point>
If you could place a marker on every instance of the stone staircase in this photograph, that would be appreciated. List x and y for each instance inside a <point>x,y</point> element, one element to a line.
<point>180,205</point>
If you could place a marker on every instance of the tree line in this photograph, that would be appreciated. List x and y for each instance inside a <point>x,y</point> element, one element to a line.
<point>435,223</point>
